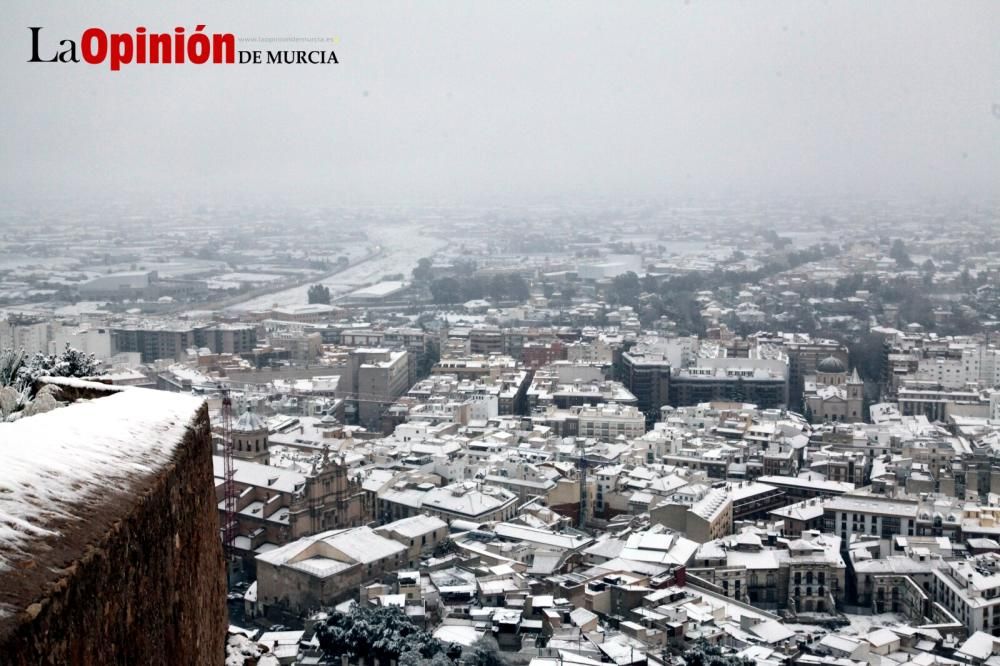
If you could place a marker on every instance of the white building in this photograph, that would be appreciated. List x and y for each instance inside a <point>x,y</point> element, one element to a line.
<point>970,589</point>
<point>90,340</point>
<point>870,515</point>
<point>32,337</point>
<point>608,421</point>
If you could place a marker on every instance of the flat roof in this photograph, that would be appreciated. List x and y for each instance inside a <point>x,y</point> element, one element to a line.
<point>800,482</point>
<point>378,290</point>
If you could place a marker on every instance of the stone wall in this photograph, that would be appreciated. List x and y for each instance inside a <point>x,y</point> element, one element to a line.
<point>141,581</point>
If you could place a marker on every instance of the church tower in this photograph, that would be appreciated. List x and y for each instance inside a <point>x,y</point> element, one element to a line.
<point>855,396</point>
<point>250,438</point>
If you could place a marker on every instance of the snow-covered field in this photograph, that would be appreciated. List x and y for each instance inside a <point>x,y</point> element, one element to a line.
<point>402,247</point>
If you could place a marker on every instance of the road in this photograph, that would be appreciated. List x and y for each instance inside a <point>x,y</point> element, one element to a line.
<point>401,247</point>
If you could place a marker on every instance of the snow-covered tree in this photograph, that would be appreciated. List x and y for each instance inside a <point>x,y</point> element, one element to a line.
<point>704,654</point>
<point>380,631</point>
<point>70,363</point>
<point>19,375</point>
<point>485,652</point>
<point>11,363</point>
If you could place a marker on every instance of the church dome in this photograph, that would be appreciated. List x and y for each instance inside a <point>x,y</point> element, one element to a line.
<point>249,422</point>
<point>831,365</point>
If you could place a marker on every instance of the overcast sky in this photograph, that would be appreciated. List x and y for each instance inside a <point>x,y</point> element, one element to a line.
<point>504,101</point>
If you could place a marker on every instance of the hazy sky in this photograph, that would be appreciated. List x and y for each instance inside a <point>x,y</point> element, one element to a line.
<point>461,101</point>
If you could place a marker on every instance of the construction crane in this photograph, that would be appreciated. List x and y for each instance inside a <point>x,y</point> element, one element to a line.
<point>582,460</point>
<point>229,484</point>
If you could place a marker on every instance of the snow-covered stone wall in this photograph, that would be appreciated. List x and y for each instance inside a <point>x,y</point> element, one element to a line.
<point>109,541</point>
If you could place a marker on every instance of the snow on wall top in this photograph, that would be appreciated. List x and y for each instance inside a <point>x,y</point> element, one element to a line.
<point>74,382</point>
<point>53,464</point>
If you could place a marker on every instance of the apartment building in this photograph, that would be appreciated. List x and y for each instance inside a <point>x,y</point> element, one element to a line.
<point>970,590</point>
<point>375,378</point>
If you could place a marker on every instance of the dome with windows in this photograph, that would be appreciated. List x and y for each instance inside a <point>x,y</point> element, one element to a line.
<point>249,422</point>
<point>831,365</point>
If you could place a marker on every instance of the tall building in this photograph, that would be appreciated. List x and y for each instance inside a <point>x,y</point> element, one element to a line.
<point>171,340</point>
<point>685,371</point>
<point>227,338</point>
<point>760,378</point>
<point>804,354</point>
<point>647,377</point>
<point>88,339</point>
<point>376,377</point>
<point>24,333</point>
<point>165,341</point>
<point>486,341</point>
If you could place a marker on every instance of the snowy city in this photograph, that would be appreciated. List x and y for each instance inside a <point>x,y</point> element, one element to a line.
<point>480,349</point>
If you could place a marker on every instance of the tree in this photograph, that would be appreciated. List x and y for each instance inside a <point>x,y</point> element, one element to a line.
<point>11,362</point>
<point>70,363</point>
<point>625,289</point>
<point>19,375</point>
<point>427,360</point>
<point>704,654</point>
<point>484,652</point>
<point>414,658</point>
<point>384,632</point>
<point>465,267</point>
<point>518,288</point>
<point>206,252</point>
<point>423,270</point>
<point>847,286</point>
<point>319,293</point>
<point>899,253</point>
<point>928,269</point>
<point>445,547</point>
<point>917,308</point>
<point>446,290</point>
<point>498,287</point>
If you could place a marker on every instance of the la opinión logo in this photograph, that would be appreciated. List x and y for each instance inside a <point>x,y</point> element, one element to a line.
<point>141,47</point>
